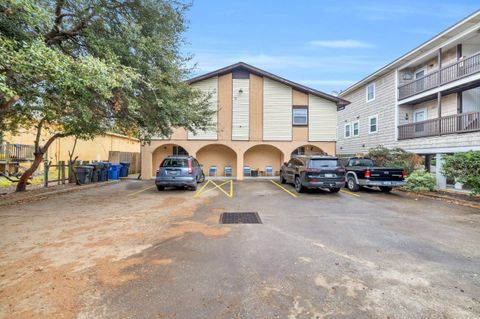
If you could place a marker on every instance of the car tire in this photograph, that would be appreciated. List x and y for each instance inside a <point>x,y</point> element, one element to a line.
<point>385,189</point>
<point>192,188</point>
<point>334,190</point>
<point>298,185</point>
<point>352,184</point>
<point>282,178</point>
<point>160,188</point>
<point>202,178</point>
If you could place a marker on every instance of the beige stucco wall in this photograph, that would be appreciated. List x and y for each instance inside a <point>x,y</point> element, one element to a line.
<point>260,156</point>
<point>89,150</point>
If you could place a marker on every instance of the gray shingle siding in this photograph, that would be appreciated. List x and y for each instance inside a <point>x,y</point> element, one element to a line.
<point>383,105</point>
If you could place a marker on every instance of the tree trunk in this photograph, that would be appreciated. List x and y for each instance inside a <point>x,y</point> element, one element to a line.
<point>22,183</point>
<point>40,151</point>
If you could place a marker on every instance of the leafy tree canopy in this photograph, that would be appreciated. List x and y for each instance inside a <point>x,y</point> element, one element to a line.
<point>83,67</point>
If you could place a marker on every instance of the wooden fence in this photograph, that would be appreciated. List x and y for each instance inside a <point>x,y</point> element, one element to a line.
<point>132,157</point>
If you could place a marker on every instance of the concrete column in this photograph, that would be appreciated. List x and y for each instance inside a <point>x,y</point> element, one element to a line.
<point>239,165</point>
<point>146,159</point>
<point>441,179</point>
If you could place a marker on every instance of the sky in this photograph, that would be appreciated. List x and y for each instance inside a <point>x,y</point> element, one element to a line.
<point>326,45</point>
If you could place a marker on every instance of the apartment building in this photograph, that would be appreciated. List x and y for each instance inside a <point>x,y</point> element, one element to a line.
<point>426,102</point>
<point>260,120</point>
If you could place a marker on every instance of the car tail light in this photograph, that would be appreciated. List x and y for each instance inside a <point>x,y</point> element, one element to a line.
<point>404,174</point>
<point>367,173</point>
<point>190,170</point>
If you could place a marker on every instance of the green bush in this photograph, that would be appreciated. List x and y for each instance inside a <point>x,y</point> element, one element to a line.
<point>421,181</point>
<point>395,157</point>
<point>464,168</point>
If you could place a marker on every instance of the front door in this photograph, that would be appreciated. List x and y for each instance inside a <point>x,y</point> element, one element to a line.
<point>420,116</point>
<point>420,86</point>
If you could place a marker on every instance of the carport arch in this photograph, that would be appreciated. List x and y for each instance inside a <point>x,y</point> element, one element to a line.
<point>262,155</point>
<point>308,149</point>
<point>165,150</point>
<point>219,155</point>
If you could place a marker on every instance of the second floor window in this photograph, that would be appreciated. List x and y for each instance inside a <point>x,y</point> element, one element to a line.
<point>371,92</point>
<point>373,124</point>
<point>300,116</point>
<point>347,130</point>
<point>356,128</point>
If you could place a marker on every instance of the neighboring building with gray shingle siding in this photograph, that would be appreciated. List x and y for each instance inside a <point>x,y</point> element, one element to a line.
<point>427,101</point>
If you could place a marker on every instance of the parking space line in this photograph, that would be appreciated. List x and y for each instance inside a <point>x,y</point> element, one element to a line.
<point>283,188</point>
<point>349,193</point>
<point>142,190</point>
<point>219,186</point>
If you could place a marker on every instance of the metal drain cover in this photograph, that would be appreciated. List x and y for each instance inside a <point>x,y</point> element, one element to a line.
<point>240,218</point>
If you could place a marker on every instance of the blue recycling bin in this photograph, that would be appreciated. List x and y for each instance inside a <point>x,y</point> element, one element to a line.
<point>114,172</point>
<point>124,169</point>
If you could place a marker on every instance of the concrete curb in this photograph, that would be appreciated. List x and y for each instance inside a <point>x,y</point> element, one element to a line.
<point>33,197</point>
<point>456,201</point>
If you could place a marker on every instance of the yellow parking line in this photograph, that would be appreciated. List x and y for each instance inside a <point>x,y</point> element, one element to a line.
<point>349,193</point>
<point>286,190</point>
<point>142,190</point>
<point>219,186</point>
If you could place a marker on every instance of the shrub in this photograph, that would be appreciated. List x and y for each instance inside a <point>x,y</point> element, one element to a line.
<point>421,181</point>
<point>465,168</point>
<point>395,157</point>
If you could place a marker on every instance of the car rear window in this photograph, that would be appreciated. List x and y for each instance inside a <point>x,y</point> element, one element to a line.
<point>361,162</point>
<point>319,163</point>
<point>175,162</point>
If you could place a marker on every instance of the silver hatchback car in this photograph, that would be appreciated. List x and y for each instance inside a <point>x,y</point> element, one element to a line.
<point>179,171</point>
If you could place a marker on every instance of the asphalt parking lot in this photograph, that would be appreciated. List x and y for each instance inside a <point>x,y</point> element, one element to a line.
<point>129,251</point>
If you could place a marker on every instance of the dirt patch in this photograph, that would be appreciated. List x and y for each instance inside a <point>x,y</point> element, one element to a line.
<point>115,273</point>
<point>182,228</point>
<point>40,291</point>
<point>162,262</point>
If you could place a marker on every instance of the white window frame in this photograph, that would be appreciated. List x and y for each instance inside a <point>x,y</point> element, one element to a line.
<point>374,92</point>
<point>370,124</point>
<point>424,69</point>
<point>353,128</point>
<point>306,116</point>
<point>423,109</point>
<point>349,130</point>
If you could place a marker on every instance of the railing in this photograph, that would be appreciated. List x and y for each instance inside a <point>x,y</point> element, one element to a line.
<point>458,123</point>
<point>16,152</point>
<point>445,75</point>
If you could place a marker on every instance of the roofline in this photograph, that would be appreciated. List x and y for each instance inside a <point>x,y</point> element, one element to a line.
<point>419,47</point>
<point>257,71</point>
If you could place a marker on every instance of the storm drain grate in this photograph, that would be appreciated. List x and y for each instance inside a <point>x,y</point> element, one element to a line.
<point>240,218</point>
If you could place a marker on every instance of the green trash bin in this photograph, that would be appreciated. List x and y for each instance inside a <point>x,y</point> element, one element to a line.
<point>97,168</point>
<point>84,174</point>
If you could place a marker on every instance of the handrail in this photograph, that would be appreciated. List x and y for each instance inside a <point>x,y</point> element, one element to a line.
<point>451,124</point>
<point>444,75</point>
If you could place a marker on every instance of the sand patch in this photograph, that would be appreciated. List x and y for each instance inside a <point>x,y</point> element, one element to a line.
<point>115,273</point>
<point>162,262</point>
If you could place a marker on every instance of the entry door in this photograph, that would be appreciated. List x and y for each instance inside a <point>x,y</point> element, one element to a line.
<point>421,83</point>
<point>419,116</point>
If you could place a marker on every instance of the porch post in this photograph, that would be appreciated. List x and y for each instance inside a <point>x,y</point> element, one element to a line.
<point>146,161</point>
<point>239,176</point>
<point>441,179</point>
<point>439,108</point>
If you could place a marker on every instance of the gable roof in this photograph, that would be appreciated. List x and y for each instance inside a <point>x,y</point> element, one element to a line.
<point>433,43</point>
<point>244,66</point>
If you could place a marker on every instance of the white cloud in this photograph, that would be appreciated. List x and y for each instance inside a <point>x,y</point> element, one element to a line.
<point>341,44</point>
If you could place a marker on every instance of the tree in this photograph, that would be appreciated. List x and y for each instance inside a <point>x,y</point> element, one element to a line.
<point>82,68</point>
<point>395,157</point>
<point>465,168</point>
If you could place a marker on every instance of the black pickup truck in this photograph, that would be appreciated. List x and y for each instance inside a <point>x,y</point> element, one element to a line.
<point>363,172</point>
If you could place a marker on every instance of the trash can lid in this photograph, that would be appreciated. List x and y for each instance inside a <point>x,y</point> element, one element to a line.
<point>88,167</point>
<point>125,163</point>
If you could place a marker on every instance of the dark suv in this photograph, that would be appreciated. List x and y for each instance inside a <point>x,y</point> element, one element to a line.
<point>179,171</point>
<point>313,172</point>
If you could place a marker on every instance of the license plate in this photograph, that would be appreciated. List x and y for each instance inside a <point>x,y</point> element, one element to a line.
<point>329,175</point>
<point>173,172</point>
<point>387,183</point>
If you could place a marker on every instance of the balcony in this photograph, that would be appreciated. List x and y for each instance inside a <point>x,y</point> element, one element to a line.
<point>458,123</point>
<point>16,152</point>
<point>447,74</point>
